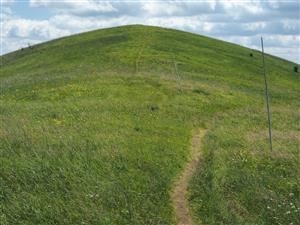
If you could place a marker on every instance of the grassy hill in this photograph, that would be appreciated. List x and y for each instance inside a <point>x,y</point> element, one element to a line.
<point>96,127</point>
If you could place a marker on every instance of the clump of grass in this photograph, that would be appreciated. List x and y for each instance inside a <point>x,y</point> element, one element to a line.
<point>200,91</point>
<point>296,69</point>
<point>153,107</point>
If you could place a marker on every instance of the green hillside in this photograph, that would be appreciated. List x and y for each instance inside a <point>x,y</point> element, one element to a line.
<point>96,127</point>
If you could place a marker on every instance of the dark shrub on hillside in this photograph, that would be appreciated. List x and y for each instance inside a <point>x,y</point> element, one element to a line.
<point>153,107</point>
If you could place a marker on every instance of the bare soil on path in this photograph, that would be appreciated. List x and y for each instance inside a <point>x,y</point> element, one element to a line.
<point>179,193</point>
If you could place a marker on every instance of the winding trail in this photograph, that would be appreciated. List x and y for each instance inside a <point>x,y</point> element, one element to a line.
<point>146,40</point>
<point>178,195</point>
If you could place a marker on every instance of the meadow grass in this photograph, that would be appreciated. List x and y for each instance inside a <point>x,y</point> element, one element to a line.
<point>96,127</point>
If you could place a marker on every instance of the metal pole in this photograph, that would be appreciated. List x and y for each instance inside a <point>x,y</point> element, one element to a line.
<point>266,93</point>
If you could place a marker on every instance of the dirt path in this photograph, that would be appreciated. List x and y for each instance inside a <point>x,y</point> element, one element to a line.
<point>179,193</point>
<point>145,42</point>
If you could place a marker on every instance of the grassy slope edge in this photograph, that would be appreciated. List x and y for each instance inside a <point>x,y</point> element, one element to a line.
<point>95,127</point>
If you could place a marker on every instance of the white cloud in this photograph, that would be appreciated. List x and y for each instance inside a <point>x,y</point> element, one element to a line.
<point>255,26</point>
<point>7,2</point>
<point>6,12</point>
<point>286,53</point>
<point>289,24</point>
<point>164,8</point>
<point>78,24</point>
<point>83,7</point>
<point>178,8</point>
<point>24,28</point>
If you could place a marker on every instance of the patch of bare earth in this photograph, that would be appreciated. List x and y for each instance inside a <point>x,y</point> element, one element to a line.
<point>179,193</point>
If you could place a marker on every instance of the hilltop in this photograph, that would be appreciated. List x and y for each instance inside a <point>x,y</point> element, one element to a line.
<point>96,128</point>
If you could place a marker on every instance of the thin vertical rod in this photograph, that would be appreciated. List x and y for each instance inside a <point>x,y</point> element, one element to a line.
<point>266,93</point>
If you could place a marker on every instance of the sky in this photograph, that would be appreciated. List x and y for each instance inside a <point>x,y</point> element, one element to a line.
<point>239,21</point>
